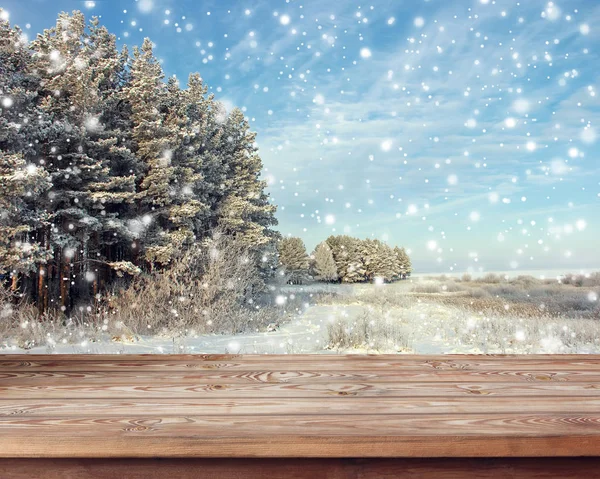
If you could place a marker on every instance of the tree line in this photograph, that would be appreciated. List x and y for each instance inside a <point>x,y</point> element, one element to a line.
<point>343,259</point>
<point>107,170</point>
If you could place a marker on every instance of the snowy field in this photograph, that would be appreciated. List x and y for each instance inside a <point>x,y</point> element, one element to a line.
<point>420,315</point>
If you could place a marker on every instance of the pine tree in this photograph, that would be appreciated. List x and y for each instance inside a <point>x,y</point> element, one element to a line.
<point>81,73</point>
<point>407,262</point>
<point>108,249</point>
<point>356,271</point>
<point>153,146</point>
<point>103,165</point>
<point>323,264</point>
<point>368,253</point>
<point>200,159</point>
<point>293,258</point>
<point>22,182</point>
<point>245,210</point>
<point>348,258</point>
<point>383,262</point>
<point>18,181</point>
<point>403,260</point>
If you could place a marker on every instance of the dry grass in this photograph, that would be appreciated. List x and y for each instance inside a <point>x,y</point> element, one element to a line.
<point>524,296</point>
<point>369,331</point>
<point>523,315</point>
<point>22,326</point>
<point>429,287</point>
<point>515,333</point>
<point>212,288</point>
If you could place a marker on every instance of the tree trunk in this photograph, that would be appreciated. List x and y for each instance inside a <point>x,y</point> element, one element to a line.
<point>65,284</point>
<point>41,289</point>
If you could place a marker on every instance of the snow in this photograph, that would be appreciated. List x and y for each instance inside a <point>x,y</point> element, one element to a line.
<point>531,146</point>
<point>419,22</point>
<point>365,125</point>
<point>386,145</point>
<point>145,6</point>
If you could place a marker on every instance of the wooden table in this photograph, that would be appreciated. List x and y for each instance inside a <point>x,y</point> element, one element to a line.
<point>292,416</point>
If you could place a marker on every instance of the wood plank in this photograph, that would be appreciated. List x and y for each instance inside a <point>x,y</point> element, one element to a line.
<point>286,363</point>
<point>149,375</point>
<point>294,406</point>
<point>272,446</point>
<point>323,390</point>
<point>547,468</point>
<point>319,406</point>
<point>257,425</point>
<point>301,357</point>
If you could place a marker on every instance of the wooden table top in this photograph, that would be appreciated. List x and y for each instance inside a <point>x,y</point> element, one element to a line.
<point>86,406</point>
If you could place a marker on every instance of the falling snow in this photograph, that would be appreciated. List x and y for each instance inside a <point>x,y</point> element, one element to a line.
<point>466,133</point>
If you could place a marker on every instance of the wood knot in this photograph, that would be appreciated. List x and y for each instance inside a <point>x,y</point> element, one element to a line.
<point>137,429</point>
<point>216,387</point>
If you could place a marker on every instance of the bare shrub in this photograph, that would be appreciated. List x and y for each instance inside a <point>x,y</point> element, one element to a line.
<point>22,326</point>
<point>582,280</point>
<point>478,293</point>
<point>466,278</point>
<point>526,281</point>
<point>428,287</point>
<point>452,287</point>
<point>211,288</point>
<point>369,331</point>
<point>490,278</point>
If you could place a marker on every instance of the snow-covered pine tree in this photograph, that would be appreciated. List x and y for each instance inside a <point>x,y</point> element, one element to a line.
<point>340,254</point>
<point>396,265</point>
<point>383,261</point>
<point>19,183</point>
<point>407,262</point>
<point>245,210</point>
<point>356,271</point>
<point>368,253</point>
<point>323,265</point>
<point>80,72</point>
<point>294,259</point>
<point>108,137</point>
<point>348,258</point>
<point>145,94</point>
<point>132,164</point>
<point>200,159</point>
<point>404,262</point>
<point>184,207</point>
<point>21,180</point>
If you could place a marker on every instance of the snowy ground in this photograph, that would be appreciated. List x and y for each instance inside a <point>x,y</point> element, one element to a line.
<point>428,327</point>
<point>431,333</point>
<point>303,334</point>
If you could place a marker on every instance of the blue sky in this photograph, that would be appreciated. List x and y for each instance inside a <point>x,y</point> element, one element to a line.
<point>467,131</point>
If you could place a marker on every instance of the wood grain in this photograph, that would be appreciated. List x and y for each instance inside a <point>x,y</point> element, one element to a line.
<point>546,468</point>
<point>335,406</point>
<point>294,362</point>
<point>328,406</point>
<point>324,389</point>
<point>155,376</point>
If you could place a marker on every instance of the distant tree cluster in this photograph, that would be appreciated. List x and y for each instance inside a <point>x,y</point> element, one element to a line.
<point>344,259</point>
<point>107,170</point>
